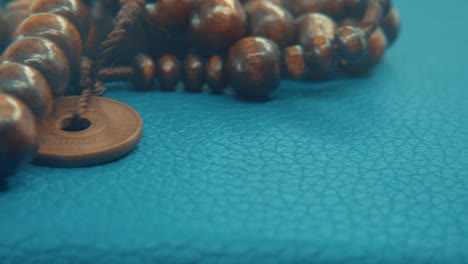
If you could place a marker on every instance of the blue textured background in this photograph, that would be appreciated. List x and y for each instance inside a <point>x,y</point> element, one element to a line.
<point>370,170</point>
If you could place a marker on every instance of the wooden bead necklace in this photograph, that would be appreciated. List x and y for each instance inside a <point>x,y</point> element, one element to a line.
<point>71,47</point>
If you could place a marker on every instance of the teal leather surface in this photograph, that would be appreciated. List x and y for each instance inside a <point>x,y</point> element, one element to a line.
<point>371,170</point>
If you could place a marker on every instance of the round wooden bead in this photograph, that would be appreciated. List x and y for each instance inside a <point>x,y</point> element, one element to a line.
<point>391,26</point>
<point>317,36</point>
<point>45,56</point>
<point>376,50</point>
<point>216,78</point>
<point>253,67</point>
<point>28,85</point>
<point>168,71</point>
<point>216,24</point>
<point>73,10</point>
<point>57,29</point>
<point>19,140</point>
<point>194,76</point>
<point>294,63</point>
<point>270,21</point>
<point>144,72</point>
<point>171,15</point>
<point>351,43</point>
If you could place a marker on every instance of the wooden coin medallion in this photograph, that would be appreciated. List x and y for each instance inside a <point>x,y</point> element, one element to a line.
<point>107,131</point>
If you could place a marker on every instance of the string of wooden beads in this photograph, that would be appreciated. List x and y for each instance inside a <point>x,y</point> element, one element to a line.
<point>248,45</point>
<point>315,38</point>
<point>39,64</point>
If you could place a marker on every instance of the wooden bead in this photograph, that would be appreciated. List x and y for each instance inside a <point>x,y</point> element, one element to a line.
<point>28,85</point>
<point>351,43</point>
<point>215,74</point>
<point>294,62</point>
<point>19,140</point>
<point>169,73</point>
<point>253,67</point>
<point>141,73</point>
<point>171,15</point>
<point>194,76</point>
<point>145,73</point>
<point>73,10</point>
<point>317,36</point>
<point>216,24</point>
<point>270,21</point>
<point>57,29</point>
<point>391,26</point>
<point>45,56</point>
<point>376,50</point>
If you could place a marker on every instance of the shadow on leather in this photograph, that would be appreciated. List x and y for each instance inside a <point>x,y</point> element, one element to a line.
<point>3,185</point>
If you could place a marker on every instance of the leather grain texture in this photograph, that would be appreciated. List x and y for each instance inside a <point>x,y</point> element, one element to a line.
<point>371,170</point>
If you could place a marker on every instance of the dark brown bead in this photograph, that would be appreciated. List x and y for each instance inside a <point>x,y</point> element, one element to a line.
<point>351,43</point>
<point>316,35</point>
<point>45,56</point>
<point>28,85</point>
<point>19,135</point>
<point>73,10</point>
<point>376,50</point>
<point>391,26</point>
<point>171,15</point>
<point>216,78</point>
<point>194,76</point>
<point>169,73</point>
<point>216,24</point>
<point>270,21</point>
<point>253,67</point>
<point>141,74</point>
<point>57,29</point>
<point>14,17</point>
<point>294,62</point>
<point>145,72</point>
